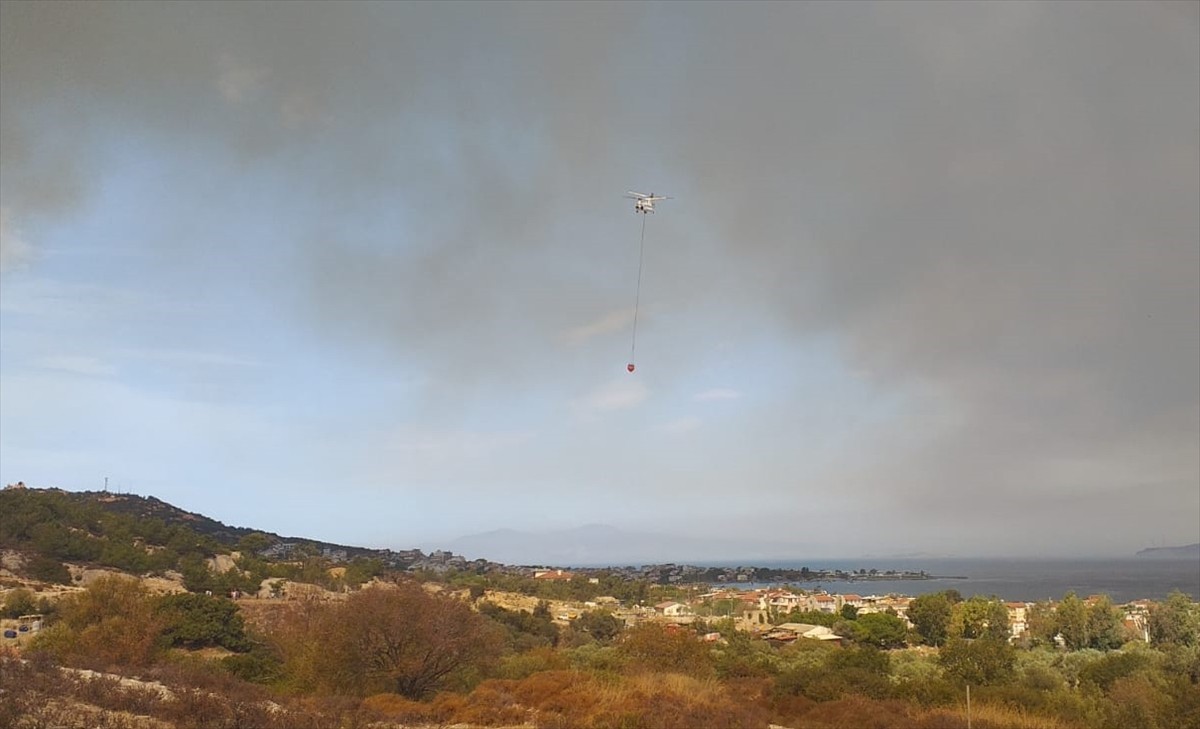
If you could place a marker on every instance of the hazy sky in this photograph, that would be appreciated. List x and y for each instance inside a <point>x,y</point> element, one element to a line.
<point>363,272</point>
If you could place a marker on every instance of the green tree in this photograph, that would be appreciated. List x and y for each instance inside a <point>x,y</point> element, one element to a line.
<point>849,612</point>
<point>809,617</point>
<point>361,570</point>
<point>19,602</point>
<point>197,577</point>
<point>600,624</point>
<point>1104,625</point>
<point>980,617</point>
<point>526,631</point>
<point>1042,623</point>
<point>860,670</point>
<point>48,569</point>
<point>197,621</point>
<point>1175,621</point>
<point>1071,620</point>
<point>978,662</point>
<point>1105,670</point>
<point>124,555</point>
<point>930,615</point>
<point>882,630</point>
<point>253,543</point>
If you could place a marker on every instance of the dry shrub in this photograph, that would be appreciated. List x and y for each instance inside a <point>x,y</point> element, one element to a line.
<point>109,693</point>
<point>394,707</point>
<point>652,700</point>
<point>111,624</point>
<point>655,647</point>
<point>493,702</point>
<point>857,712</point>
<point>542,688</point>
<point>445,706</point>
<point>787,707</point>
<point>196,708</point>
<point>209,676</point>
<point>990,716</point>
<point>399,639</point>
<point>524,665</point>
<point>569,694</point>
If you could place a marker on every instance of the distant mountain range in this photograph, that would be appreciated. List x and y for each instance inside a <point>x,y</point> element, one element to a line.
<point>1190,551</point>
<point>603,545</point>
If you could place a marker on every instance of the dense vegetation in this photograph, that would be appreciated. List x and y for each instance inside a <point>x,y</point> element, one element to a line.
<point>61,528</point>
<point>412,653</point>
<point>130,534</point>
<point>432,649</point>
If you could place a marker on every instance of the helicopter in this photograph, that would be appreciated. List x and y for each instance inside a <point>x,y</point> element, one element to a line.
<point>644,203</point>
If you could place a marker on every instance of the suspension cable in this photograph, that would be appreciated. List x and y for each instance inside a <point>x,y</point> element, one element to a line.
<point>638,298</point>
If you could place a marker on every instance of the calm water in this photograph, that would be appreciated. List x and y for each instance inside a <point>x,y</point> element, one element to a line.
<point>1122,580</point>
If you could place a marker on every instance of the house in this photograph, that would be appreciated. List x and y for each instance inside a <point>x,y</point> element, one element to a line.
<point>788,632</point>
<point>279,550</point>
<point>896,603</point>
<point>1136,618</point>
<point>782,601</point>
<point>1017,618</point>
<point>672,609</point>
<point>855,600</point>
<point>553,575</point>
<point>336,555</point>
<point>826,603</point>
<point>1138,625</point>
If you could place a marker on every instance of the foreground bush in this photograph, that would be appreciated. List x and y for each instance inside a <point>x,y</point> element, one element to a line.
<point>398,639</point>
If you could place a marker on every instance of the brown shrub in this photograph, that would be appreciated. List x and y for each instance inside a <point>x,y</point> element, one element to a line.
<point>858,712</point>
<point>111,624</point>
<point>660,648</point>
<point>394,707</point>
<point>542,688</point>
<point>493,702</point>
<point>400,639</point>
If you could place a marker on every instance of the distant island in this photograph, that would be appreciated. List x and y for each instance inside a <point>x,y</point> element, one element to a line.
<point>1190,551</point>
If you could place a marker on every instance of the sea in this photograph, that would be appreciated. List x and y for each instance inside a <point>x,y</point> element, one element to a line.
<point>1014,580</point>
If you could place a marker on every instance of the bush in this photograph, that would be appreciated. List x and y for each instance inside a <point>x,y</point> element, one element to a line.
<point>112,623</point>
<point>253,667</point>
<point>523,665</point>
<point>197,621</point>
<point>46,569</point>
<point>1104,671</point>
<point>401,639</point>
<point>657,647</point>
<point>19,602</point>
<point>978,662</point>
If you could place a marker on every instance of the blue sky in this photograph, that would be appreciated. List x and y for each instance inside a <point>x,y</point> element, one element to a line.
<point>364,272</point>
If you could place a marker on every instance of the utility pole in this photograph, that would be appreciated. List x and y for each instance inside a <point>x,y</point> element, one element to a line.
<point>968,706</point>
<point>106,483</point>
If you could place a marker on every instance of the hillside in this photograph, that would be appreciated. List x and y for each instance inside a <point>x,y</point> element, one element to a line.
<point>51,528</point>
<point>1190,551</point>
<point>157,510</point>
